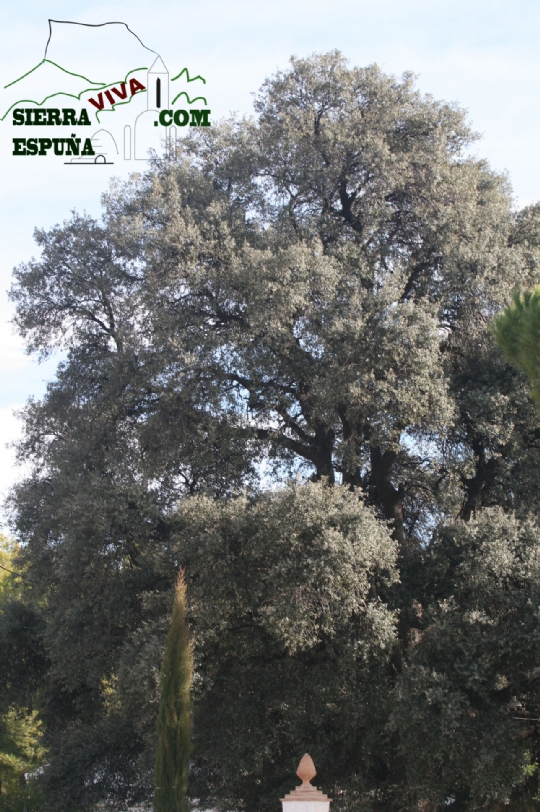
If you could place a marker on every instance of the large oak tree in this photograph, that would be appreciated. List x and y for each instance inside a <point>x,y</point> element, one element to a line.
<point>305,294</point>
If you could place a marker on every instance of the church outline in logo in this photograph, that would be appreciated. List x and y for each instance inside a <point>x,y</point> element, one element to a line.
<point>159,113</point>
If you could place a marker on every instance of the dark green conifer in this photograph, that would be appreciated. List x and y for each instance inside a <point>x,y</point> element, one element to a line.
<point>517,330</point>
<point>172,754</point>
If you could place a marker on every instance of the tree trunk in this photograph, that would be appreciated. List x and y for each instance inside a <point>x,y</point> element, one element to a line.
<point>387,496</point>
<point>474,486</point>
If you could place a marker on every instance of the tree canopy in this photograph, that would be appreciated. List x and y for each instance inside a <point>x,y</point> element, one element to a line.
<point>279,375</point>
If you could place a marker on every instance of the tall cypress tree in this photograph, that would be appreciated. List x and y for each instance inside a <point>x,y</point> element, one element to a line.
<point>172,755</point>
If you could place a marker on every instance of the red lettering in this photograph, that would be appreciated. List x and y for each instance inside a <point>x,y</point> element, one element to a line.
<point>122,94</point>
<point>109,97</point>
<point>99,104</point>
<point>134,86</point>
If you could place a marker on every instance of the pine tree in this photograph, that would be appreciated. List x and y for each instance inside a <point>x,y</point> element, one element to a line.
<point>172,755</point>
<point>517,330</point>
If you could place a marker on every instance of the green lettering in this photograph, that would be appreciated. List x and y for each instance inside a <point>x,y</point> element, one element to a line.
<point>53,116</point>
<point>19,146</point>
<point>199,118</point>
<point>83,118</point>
<point>181,114</point>
<point>40,117</point>
<point>87,148</point>
<point>44,145</point>
<point>169,115</point>
<point>18,116</point>
<point>73,145</point>
<point>31,146</point>
<point>69,116</point>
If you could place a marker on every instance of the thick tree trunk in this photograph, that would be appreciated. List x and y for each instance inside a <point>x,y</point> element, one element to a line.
<point>386,495</point>
<point>323,452</point>
<point>351,433</point>
<point>389,497</point>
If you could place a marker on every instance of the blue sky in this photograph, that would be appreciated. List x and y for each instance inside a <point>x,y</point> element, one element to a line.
<point>484,55</point>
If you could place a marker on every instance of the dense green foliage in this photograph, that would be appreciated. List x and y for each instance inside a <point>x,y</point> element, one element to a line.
<point>517,330</point>
<point>290,631</point>
<point>174,719</point>
<point>279,375</point>
<point>21,750</point>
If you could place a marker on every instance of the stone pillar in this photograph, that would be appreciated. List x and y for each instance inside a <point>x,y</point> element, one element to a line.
<point>306,797</point>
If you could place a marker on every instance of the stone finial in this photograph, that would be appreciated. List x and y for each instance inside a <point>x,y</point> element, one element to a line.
<point>306,797</point>
<point>306,769</point>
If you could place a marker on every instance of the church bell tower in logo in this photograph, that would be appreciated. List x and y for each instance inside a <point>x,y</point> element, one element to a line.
<point>158,86</point>
<point>146,134</point>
